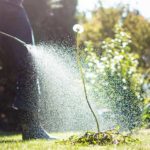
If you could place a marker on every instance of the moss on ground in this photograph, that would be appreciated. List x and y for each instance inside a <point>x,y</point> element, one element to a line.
<point>111,137</point>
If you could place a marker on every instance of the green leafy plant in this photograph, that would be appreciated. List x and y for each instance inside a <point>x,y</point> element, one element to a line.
<point>146,115</point>
<point>113,75</point>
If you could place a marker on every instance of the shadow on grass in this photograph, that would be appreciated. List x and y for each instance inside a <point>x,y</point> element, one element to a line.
<point>10,141</point>
<point>5,137</point>
<point>2,133</point>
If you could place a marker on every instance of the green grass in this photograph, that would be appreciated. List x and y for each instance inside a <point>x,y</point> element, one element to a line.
<point>14,142</point>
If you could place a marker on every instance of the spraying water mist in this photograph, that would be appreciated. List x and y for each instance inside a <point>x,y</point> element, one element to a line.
<point>62,104</point>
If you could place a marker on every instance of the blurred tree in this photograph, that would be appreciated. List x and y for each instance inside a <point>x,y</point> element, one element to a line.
<point>139,28</point>
<point>52,20</point>
<point>101,25</point>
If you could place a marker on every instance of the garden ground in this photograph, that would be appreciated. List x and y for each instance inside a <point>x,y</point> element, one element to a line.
<point>10,141</point>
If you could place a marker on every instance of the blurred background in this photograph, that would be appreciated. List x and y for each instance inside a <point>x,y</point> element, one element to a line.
<point>52,22</point>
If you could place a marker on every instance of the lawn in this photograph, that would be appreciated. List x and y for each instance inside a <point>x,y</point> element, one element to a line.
<point>14,142</point>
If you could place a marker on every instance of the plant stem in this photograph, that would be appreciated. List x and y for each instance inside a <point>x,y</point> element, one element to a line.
<point>84,85</point>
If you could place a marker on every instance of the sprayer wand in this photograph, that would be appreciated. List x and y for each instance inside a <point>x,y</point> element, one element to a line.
<point>14,38</point>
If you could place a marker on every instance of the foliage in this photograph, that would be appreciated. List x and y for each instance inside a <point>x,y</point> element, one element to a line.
<point>139,28</point>
<point>146,88</point>
<point>102,138</point>
<point>146,115</point>
<point>101,25</point>
<point>115,78</point>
